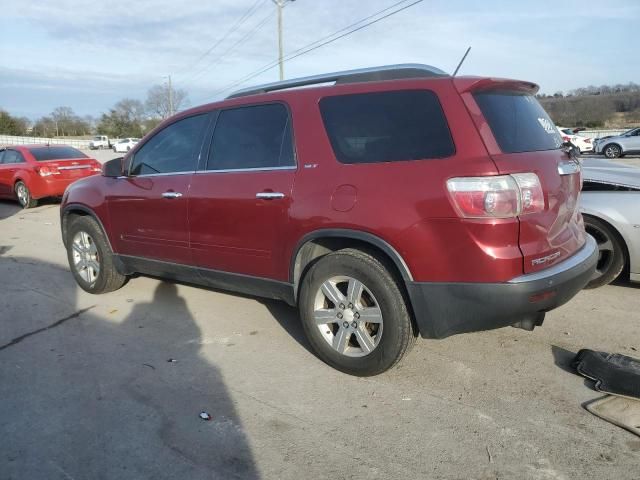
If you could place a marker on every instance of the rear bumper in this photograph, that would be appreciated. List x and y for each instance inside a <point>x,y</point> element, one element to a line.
<point>444,309</point>
<point>53,187</point>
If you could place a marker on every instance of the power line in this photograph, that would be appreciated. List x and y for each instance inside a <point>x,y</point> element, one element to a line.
<point>247,14</point>
<point>219,58</point>
<point>323,41</point>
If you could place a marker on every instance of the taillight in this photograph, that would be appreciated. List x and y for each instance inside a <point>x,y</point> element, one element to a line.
<point>504,196</point>
<point>97,168</point>
<point>46,171</point>
<point>587,140</point>
<point>531,196</point>
<point>566,139</point>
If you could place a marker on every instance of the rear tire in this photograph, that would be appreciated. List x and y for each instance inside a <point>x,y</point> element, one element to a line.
<point>612,150</point>
<point>367,328</point>
<point>612,258</point>
<point>24,195</point>
<point>90,258</point>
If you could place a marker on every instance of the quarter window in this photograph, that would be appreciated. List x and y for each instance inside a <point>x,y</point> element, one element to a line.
<point>174,149</point>
<point>12,156</point>
<point>386,126</point>
<point>252,137</point>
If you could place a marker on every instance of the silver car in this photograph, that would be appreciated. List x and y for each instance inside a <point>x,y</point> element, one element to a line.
<point>610,204</point>
<point>620,145</point>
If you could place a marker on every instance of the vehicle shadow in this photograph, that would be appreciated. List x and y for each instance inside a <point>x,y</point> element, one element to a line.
<point>8,209</point>
<point>625,282</point>
<point>90,395</point>
<point>286,315</point>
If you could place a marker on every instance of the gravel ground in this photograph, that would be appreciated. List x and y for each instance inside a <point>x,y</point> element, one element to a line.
<point>87,391</point>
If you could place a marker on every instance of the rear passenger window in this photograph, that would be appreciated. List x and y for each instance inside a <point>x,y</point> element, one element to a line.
<point>252,137</point>
<point>12,156</point>
<point>172,150</point>
<point>518,121</point>
<point>386,126</point>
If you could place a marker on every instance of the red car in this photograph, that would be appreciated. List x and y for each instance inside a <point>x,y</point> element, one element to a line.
<point>397,202</point>
<point>32,172</point>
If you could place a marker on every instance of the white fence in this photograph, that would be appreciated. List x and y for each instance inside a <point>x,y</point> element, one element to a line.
<point>600,133</point>
<point>13,140</point>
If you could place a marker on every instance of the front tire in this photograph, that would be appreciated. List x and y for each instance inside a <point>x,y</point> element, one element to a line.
<point>24,195</point>
<point>612,254</point>
<point>612,151</point>
<point>354,313</point>
<point>90,258</point>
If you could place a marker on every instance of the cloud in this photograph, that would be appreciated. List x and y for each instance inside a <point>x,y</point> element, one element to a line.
<point>120,47</point>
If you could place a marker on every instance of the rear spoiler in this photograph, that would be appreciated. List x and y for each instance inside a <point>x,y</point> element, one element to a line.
<point>474,84</point>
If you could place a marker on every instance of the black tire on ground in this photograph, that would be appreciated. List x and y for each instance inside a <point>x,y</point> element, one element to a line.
<point>612,150</point>
<point>612,259</point>
<point>108,278</point>
<point>398,334</point>
<point>25,200</point>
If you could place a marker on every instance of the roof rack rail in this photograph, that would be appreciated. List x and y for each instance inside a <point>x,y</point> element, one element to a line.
<point>373,74</point>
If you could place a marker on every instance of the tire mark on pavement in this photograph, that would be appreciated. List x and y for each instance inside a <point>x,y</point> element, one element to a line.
<point>55,324</point>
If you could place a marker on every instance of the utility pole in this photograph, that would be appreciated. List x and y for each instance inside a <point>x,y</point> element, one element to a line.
<point>170,97</point>
<point>169,94</point>
<point>280,5</point>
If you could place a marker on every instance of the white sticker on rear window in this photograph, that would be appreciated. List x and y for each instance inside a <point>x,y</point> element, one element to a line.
<point>547,125</point>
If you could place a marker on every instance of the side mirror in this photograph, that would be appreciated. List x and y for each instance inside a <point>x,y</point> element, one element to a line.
<point>112,168</point>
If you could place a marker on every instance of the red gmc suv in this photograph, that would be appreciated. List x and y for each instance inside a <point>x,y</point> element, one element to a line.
<point>398,201</point>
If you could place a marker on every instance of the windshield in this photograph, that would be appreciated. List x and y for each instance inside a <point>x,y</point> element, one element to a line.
<point>97,138</point>
<point>518,121</point>
<point>43,154</point>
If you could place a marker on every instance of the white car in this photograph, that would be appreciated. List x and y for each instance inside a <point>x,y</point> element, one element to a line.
<point>126,144</point>
<point>583,144</point>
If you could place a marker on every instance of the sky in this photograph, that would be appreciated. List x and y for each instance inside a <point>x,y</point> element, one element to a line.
<point>88,55</point>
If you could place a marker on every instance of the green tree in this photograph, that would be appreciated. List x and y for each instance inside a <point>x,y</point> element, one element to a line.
<point>125,119</point>
<point>10,125</point>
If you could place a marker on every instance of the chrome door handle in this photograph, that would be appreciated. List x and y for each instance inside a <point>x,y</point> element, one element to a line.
<point>269,195</point>
<point>171,195</point>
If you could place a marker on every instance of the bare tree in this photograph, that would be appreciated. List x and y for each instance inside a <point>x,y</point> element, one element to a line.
<point>160,100</point>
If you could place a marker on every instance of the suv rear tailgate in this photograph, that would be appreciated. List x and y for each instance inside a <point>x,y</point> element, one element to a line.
<point>520,137</point>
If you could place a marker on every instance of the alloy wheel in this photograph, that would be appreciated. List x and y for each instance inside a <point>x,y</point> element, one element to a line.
<point>605,249</point>
<point>348,316</point>
<point>612,151</point>
<point>23,194</point>
<point>86,259</point>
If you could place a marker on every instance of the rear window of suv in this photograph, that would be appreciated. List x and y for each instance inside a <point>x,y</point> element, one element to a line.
<point>518,121</point>
<point>43,154</point>
<point>386,126</point>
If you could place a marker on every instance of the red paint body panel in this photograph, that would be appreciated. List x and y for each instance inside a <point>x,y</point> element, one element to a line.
<point>39,186</point>
<point>219,224</point>
<point>232,230</point>
<point>144,223</point>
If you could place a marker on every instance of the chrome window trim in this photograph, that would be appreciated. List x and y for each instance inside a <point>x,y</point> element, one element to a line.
<point>190,172</point>
<point>257,169</point>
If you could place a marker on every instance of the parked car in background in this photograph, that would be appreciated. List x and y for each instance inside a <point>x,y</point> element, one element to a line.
<point>389,211</point>
<point>620,145</point>
<point>582,144</point>
<point>31,172</point>
<point>610,205</point>
<point>100,142</point>
<point>124,145</point>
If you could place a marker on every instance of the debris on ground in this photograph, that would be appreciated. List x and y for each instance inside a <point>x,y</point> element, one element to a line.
<point>621,411</point>
<point>149,365</point>
<point>619,376</point>
<point>205,416</point>
<point>613,373</point>
<point>172,360</point>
